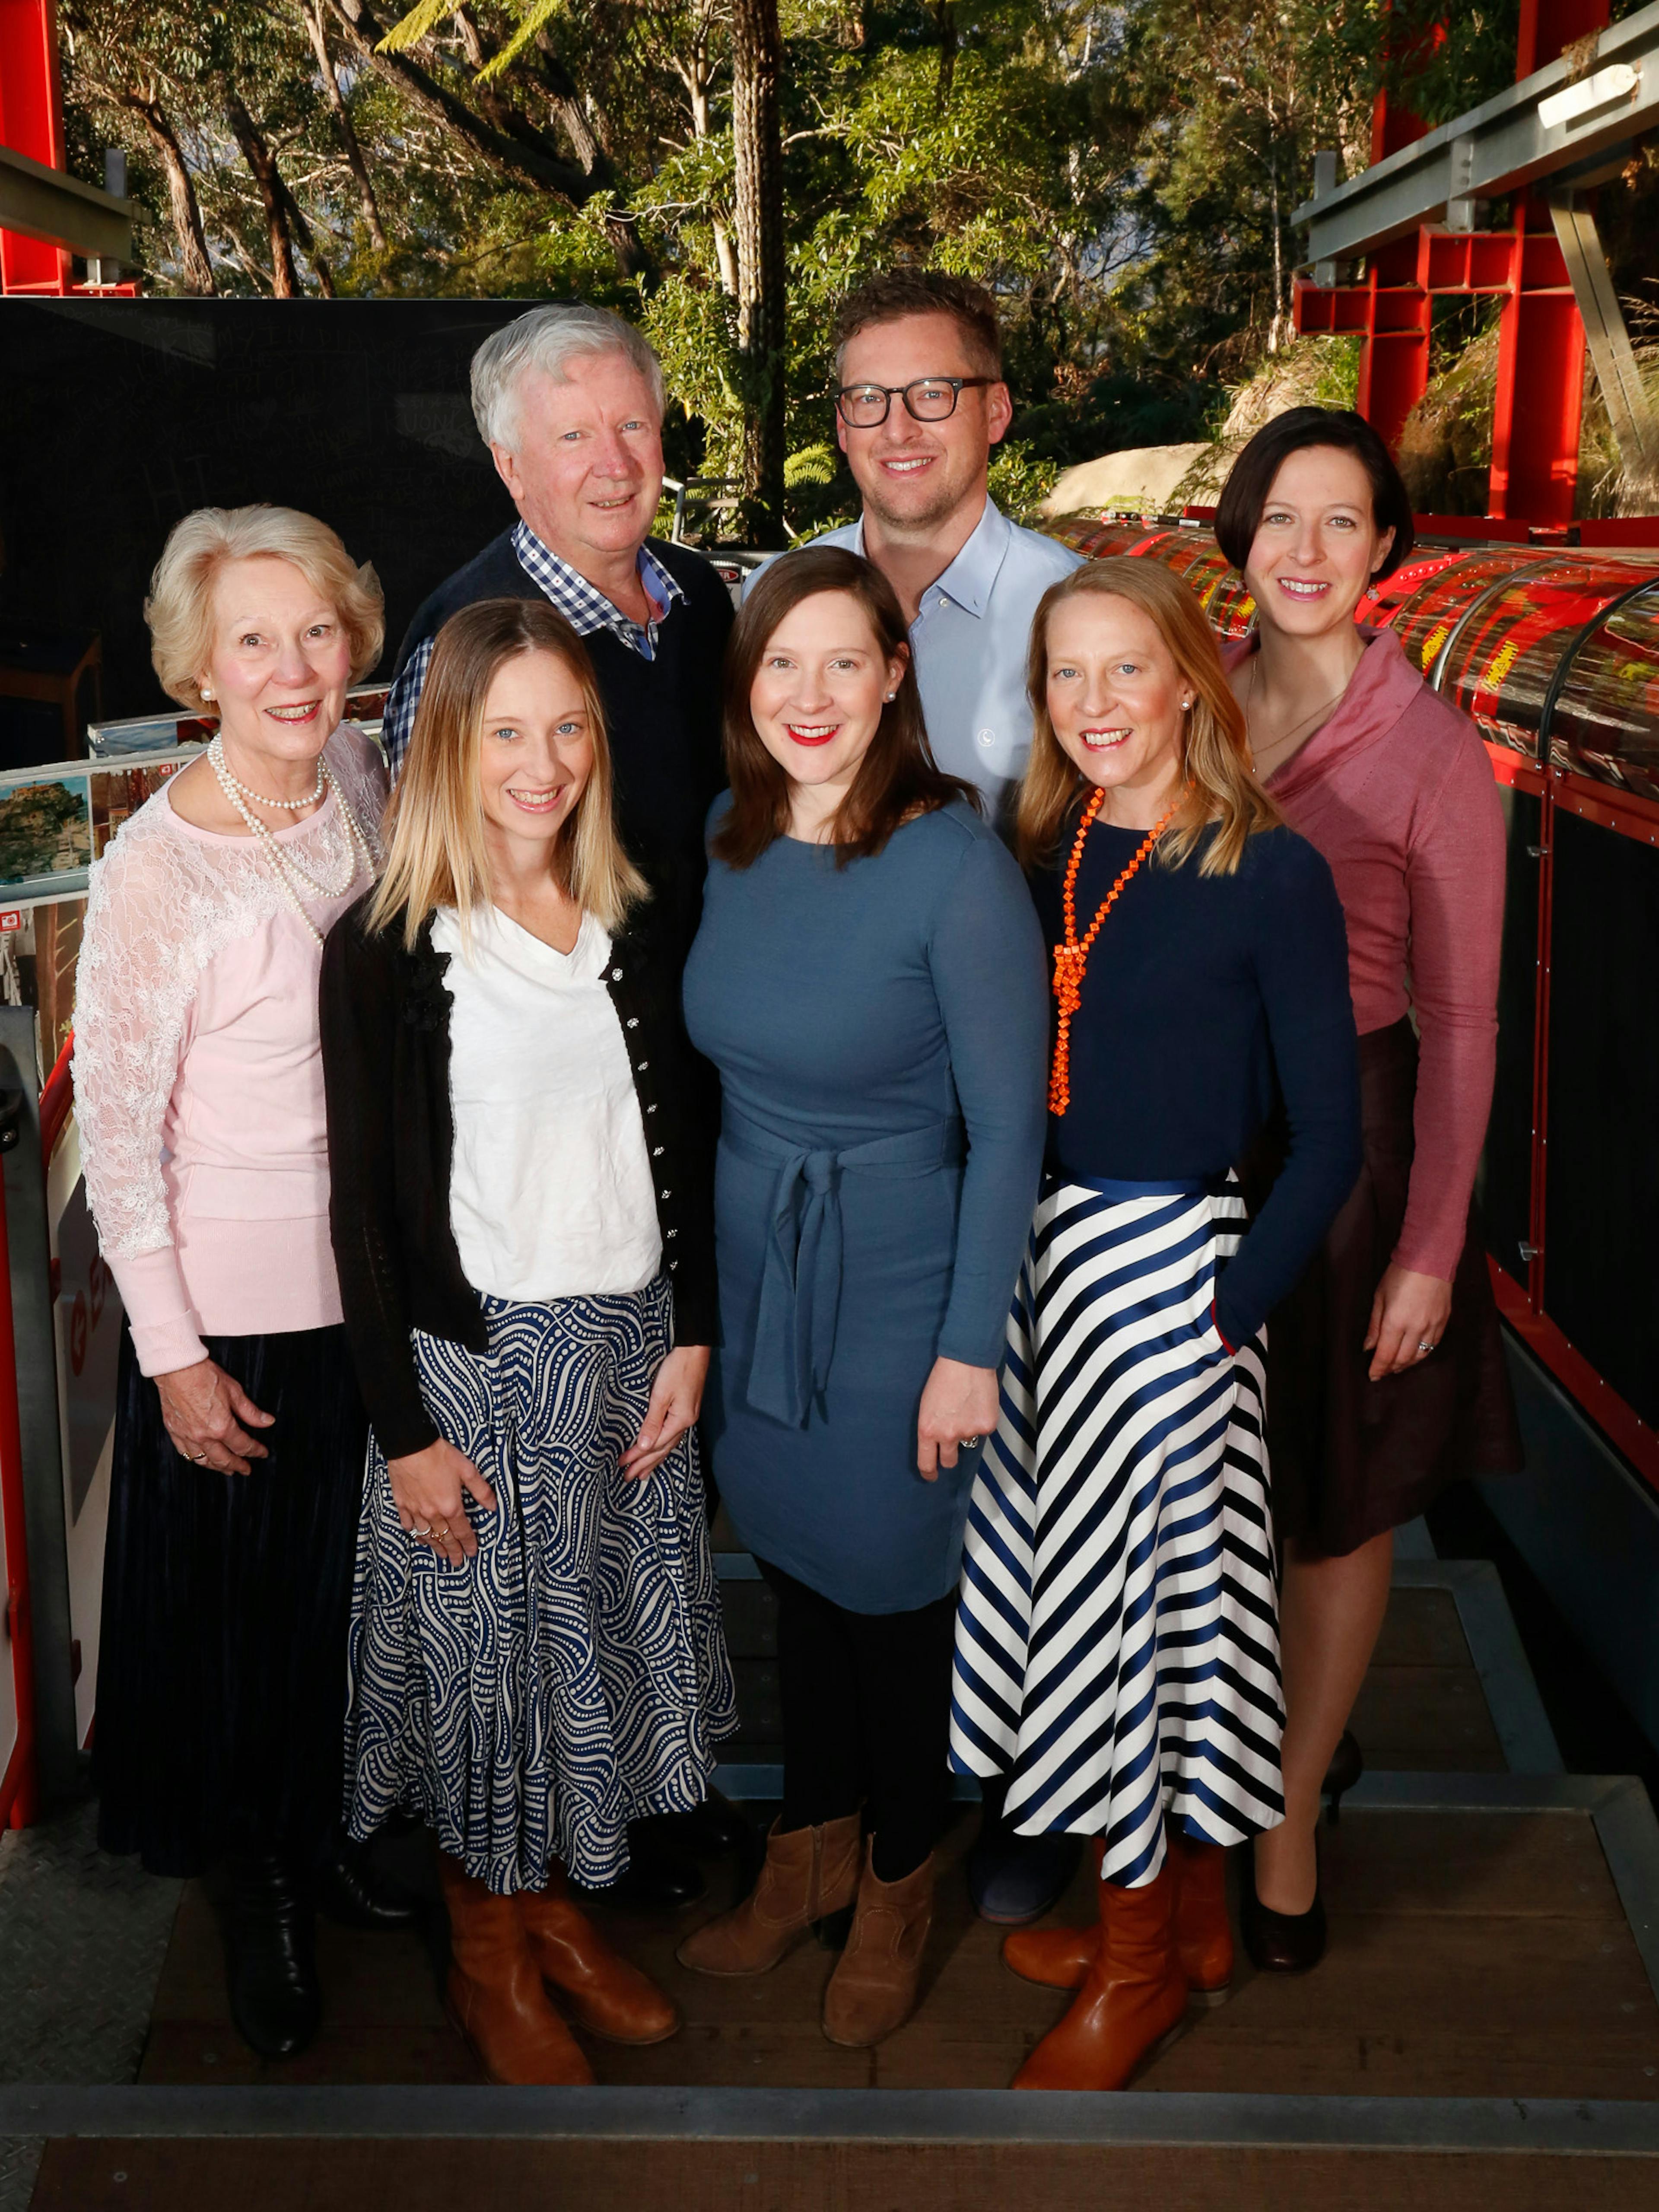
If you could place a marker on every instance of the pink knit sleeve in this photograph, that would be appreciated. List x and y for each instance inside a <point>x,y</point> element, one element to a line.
<point>1455,881</point>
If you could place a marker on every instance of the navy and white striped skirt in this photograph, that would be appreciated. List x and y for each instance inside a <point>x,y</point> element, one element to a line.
<point>572,1676</point>
<point>1117,1647</point>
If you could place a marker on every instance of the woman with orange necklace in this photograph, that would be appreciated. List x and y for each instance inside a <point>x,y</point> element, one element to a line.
<point>1116,1650</point>
<point>1386,1377</point>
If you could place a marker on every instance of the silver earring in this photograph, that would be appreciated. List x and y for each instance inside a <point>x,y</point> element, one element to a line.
<point>890,696</point>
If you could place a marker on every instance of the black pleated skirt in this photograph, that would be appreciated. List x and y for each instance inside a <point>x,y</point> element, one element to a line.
<point>221,1665</point>
<point>1351,1457</point>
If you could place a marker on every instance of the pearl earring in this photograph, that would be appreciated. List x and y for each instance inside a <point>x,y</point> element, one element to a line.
<point>207,690</point>
<point>890,696</point>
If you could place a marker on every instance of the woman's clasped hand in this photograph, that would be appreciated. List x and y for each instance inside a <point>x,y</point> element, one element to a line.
<point>208,1415</point>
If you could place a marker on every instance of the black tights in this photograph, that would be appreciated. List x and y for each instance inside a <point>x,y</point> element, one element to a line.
<point>867,1706</point>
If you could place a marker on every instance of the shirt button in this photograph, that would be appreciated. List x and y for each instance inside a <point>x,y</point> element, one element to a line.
<point>671,1232</point>
<point>615,974</point>
<point>672,1265</point>
<point>650,1109</point>
<point>656,1151</point>
<point>643,1064</point>
<point>986,737</point>
<point>633,1021</point>
<point>665,1193</point>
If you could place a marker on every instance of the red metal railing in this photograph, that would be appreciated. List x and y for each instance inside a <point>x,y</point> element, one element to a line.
<point>57,1100</point>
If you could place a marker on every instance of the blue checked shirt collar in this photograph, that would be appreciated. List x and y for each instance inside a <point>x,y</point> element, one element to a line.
<point>587,608</point>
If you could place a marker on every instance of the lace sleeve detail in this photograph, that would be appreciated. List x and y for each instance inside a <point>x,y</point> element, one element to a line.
<point>357,763</point>
<point>135,979</point>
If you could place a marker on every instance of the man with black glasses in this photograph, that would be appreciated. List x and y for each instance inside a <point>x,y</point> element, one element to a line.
<point>920,403</point>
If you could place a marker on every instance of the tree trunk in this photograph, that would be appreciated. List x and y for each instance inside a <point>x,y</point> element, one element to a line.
<point>312,13</point>
<point>193,260</point>
<point>285,218</point>
<point>273,196</point>
<point>756,68</point>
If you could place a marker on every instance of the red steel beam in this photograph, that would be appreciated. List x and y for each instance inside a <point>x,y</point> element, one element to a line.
<point>32,123</point>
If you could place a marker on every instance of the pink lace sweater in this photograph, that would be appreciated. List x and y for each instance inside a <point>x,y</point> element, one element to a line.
<point>1396,791</point>
<point>198,1083</point>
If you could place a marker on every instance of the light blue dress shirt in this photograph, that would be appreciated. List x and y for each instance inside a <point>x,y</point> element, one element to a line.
<point>970,641</point>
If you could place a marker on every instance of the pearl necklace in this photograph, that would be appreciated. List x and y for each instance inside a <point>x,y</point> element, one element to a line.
<point>221,768</point>
<point>354,856</point>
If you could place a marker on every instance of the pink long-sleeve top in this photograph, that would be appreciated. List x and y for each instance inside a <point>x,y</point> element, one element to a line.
<point>1397,792</point>
<point>198,1081</point>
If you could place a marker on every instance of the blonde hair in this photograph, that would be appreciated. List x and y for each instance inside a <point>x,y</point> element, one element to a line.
<point>1215,746</point>
<point>180,608</point>
<point>435,850</point>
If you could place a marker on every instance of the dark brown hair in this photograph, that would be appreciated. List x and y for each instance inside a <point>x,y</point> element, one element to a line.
<point>898,777</point>
<point>1238,515</point>
<point>900,292</point>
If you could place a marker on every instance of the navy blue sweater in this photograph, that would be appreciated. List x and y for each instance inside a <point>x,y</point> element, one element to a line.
<point>1206,998</point>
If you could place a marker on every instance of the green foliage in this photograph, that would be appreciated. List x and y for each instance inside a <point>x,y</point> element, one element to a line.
<point>1123,178</point>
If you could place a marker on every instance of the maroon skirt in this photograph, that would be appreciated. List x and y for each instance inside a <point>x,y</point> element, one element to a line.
<point>1351,1457</point>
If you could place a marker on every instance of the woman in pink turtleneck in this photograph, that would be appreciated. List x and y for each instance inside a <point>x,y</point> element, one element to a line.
<point>1386,1376</point>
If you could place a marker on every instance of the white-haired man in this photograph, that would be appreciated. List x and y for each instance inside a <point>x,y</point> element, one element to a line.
<point>569,401</point>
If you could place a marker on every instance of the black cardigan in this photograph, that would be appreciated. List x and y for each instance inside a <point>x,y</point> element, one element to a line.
<point>390,1144</point>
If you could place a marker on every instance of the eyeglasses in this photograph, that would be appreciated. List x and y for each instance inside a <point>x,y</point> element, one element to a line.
<point>926,399</point>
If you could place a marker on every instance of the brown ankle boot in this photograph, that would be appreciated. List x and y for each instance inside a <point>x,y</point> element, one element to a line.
<point>1203,1931</point>
<point>1134,1999</point>
<point>808,1871</point>
<point>608,1997</point>
<point>872,1990</point>
<point>1058,1958</point>
<point>495,1996</point>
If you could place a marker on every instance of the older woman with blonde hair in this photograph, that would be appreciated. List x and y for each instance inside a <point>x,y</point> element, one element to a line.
<point>1116,1654</point>
<point>240,1432</point>
<point>522,1216</point>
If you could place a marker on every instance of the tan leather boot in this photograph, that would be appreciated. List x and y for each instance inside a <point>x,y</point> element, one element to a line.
<point>1203,1930</point>
<point>1059,1957</point>
<point>495,1996</point>
<point>872,1990</point>
<point>607,1995</point>
<point>809,1873</point>
<point>1133,1999</point>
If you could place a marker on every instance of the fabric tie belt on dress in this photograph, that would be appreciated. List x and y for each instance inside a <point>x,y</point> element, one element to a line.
<point>800,1280</point>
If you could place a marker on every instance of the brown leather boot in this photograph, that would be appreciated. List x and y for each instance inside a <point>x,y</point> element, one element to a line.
<point>1058,1958</point>
<point>1203,1931</point>
<point>872,1990</point>
<point>607,1995</point>
<point>809,1873</point>
<point>495,1996</point>
<point>1133,1999</point>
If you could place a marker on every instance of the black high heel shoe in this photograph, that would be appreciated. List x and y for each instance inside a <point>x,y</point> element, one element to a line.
<point>1347,1764</point>
<point>1280,1942</point>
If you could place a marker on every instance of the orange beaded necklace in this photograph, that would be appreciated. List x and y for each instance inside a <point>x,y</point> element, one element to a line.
<point>1072,958</point>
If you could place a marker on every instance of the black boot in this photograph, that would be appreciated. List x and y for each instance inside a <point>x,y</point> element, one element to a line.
<point>272,1972</point>
<point>351,1892</point>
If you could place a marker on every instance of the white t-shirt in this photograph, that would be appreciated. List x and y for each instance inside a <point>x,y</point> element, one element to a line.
<point>549,1192</point>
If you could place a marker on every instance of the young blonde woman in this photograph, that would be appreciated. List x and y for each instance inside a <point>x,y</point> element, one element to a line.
<point>521,1219</point>
<point>1116,1656</point>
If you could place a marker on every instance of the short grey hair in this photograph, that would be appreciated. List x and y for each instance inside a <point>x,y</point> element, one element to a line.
<point>549,338</point>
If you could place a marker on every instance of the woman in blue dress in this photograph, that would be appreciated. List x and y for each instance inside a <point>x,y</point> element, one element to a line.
<point>868,980</point>
<point>1117,1654</point>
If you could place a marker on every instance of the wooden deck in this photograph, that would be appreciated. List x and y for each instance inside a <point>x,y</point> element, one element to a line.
<point>1478,1953</point>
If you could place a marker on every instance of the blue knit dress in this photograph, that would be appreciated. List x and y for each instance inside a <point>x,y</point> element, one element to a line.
<point>879,1031</point>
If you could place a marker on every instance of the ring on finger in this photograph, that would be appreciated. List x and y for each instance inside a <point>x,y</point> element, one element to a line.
<point>1425,1347</point>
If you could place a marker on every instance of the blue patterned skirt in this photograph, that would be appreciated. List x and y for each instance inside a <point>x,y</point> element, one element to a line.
<point>1117,1645</point>
<point>572,1676</point>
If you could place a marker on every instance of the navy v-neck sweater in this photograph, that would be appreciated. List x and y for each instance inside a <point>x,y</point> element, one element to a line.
<point>1207,999</point>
